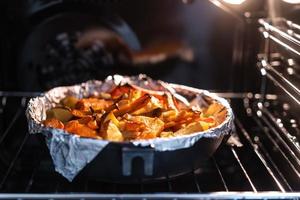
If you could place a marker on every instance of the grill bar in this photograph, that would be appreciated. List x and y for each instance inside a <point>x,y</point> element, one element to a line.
<point>31,180</point>
<point>243,169</point>
<point>197,178</point>
<point>169,185</point>
<point>292,25</point>
<point>13,162</point>
<point>273,130</point>
<point>274,33</point>
<point>12,122</point>
<point>281,86</point>
<point>19,94</point>
<point>260,156</point>
<point>272,28</point>
<point>196,181</point>
<point>278,74</point>
<point>278,79</point>
<point>277,147</point>
<point>275,167</point>
<point>220,173</point>
<point>284,132</point>
<point>17,154</point>
<point>283,44</point>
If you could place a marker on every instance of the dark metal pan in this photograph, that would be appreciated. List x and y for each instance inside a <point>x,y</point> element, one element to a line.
<point>126,162</point>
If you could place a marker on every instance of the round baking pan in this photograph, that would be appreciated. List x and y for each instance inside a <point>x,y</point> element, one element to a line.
<point>126,162</point>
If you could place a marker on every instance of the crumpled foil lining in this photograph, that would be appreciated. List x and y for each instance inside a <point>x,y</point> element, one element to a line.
<point>71,153</point>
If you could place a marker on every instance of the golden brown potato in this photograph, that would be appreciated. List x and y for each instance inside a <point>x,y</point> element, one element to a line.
<point>135,105</point>
<point>131,129</point>
<point>220,116</point>
<point>69,101</point>
<point>129,112</point>
<point>112,117</point>
<point>111,132</point>
<point>191,128</point>
<point>213,108</point>
<point>153,104</point>
<point>94,103</point>
<point>153,126</point>
<point>61,114</point>
<point>166,134</point>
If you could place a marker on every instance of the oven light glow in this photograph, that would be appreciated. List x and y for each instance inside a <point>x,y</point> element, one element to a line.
<point>259,113</point>
<point>257,96</point>
<point>291,62</point>
<point>234,1</point>
<point>263,71</point>
<point>290,71</point>
<point>292,1</point>
<point>264,63</point>
<point>249,111</point>
<point>266,34</point>
<point>286,106</point>
<point>260,105</point>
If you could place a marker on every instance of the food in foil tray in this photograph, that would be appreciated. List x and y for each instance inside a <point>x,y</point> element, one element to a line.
<point>128,112</point>
<point>97,128</point>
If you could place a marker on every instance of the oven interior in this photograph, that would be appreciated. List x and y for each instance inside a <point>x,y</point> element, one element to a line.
<point>247,53</point>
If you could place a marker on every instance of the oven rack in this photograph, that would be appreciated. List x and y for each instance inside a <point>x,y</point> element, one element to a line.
<point>281,74</point>
<point>283,32</point>
<point>267,166</point>
<point>281,65</point>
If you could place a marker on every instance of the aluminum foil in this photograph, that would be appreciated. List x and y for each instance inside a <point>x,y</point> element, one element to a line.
<point>71,153</point>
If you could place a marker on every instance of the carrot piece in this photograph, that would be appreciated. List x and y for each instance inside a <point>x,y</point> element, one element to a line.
<point>92,124</point>
<point>135,105</point>
<point>82,130</point>
<point>54,123</point>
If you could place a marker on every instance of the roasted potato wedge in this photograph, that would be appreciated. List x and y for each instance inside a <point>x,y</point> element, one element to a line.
<point>62,114</point>
<point>166,134</point>
<point>94,103</point>
<point>129,112</point>
<point>213,109</point>
<point>69,101</point>
<point>191,128</point>
<point>111,132</point>
<point>153,126</point>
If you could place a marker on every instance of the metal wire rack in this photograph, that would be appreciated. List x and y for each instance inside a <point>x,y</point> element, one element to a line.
<point>269,160</point>
<point>279,61</point>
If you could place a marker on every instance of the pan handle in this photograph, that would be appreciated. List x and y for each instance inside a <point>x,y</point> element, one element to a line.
<point>128,154</point>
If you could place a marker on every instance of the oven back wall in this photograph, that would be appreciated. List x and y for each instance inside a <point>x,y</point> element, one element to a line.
<point>208,30</point>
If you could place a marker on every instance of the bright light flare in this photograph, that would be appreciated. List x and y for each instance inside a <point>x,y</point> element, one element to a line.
<point>292,1</point>
<point>236,2</point>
